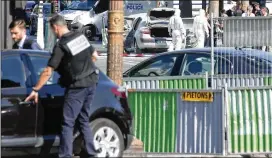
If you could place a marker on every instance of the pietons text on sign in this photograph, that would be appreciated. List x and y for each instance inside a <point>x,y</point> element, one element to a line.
<point>197,96</point>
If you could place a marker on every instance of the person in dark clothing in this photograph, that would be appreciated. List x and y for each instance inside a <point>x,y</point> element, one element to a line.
<point>19,13</point>
<point>257,9</point>
<point>72,59</point>
<point>18,34</point>
<point>229,13</point>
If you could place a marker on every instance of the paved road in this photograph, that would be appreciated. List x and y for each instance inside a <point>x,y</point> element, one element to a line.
<point>128,62</point>
<point>102,60</point>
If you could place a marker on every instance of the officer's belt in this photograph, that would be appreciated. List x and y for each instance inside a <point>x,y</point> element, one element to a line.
<point>83,75</point>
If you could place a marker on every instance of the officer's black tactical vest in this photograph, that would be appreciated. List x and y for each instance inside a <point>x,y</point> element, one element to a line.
<point>76,64</point>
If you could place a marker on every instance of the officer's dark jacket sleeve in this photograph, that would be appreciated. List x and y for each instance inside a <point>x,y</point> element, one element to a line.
<point>91,49</point>
<point>56,57</point>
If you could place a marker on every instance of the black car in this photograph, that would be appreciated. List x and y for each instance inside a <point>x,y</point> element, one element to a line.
<point>197,61</point>
<point>27,128</point>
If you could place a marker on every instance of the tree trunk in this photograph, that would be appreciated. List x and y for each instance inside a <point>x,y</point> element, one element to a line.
<point>115,38</point>
<point>214,7</point>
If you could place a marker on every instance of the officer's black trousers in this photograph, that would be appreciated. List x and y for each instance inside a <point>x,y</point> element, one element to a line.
<point>77,104</point>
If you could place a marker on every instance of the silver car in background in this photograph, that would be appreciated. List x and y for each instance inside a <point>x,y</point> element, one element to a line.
<point>150,33</point>
<point>128,22</point>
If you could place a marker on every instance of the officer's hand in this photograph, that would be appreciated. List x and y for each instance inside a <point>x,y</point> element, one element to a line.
<point>32,95</point>
<point>94,56</point>
<point>170,34</point>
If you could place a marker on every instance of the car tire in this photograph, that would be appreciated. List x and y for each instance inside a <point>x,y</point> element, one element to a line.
<point>102,126</point>
<point>137,50</point>
<point>90,32</point>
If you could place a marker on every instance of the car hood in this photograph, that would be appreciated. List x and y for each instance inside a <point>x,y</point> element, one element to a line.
<point>71,14</point>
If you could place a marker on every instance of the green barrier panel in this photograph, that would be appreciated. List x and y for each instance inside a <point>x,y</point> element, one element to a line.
<point>194,83</point>
<point>268,81</point>
<point>169,82</point>
<point>250,120</point>
<point>155,116</point>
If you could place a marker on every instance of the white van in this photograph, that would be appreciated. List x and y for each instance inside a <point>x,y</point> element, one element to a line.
<point>91,23</point>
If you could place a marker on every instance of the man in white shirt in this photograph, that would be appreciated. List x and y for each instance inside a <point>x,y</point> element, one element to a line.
<point>18,34</point>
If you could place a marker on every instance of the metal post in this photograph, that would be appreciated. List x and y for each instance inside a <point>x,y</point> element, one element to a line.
<point>115,37</point>
<point>104,33</point>
<point>212,50</point>
<point>40,30</point>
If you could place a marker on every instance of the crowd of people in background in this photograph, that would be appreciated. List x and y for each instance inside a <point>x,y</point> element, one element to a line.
<point>252,10</point>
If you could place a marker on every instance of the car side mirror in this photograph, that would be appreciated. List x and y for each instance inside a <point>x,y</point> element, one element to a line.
<point>125,75</point>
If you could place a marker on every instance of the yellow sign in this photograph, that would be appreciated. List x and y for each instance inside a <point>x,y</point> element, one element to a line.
<point>197,96</point>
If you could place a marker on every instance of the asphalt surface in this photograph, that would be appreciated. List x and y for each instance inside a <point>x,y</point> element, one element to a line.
<point>128,62</point>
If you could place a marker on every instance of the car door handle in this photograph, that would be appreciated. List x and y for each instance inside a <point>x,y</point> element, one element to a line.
<point>26,103</point>
<point>50,96</point>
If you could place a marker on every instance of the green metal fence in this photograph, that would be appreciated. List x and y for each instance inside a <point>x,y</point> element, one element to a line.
<point>170,82</point>
<point>158,120</point>
<point>155,116</point>
<point>249,120</point>
<point>193,83</point>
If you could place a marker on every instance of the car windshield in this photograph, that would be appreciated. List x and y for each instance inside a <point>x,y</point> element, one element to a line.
<point>81,5</point>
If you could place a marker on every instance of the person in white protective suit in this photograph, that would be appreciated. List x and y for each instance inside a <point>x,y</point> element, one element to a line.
<point>200,28</point>
<point>177,31</point>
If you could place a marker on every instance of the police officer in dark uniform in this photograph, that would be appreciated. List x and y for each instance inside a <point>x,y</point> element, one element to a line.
<point>72,59</point>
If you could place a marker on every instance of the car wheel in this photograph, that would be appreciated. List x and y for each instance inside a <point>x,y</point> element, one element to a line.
<point>108,139</point>
<point>89,31</point>
<point>137,50</point>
